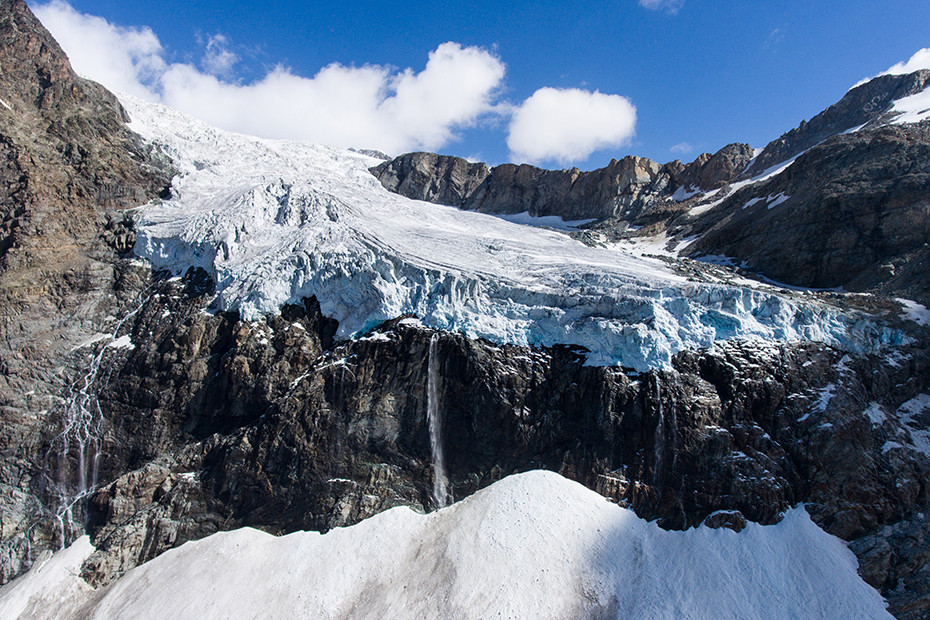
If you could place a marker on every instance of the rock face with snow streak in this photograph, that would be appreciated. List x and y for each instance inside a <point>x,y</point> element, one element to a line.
<point>853,211</point>
<point>625,188</point>
<point>865,104</point>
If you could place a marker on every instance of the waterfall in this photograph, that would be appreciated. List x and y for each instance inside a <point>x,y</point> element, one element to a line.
<point>659,443</point>
<point>441,494</point>
<point>77,447</point>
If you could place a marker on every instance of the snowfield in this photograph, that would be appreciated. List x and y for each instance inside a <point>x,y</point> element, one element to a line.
<point>533,545</point>
<point>274,221</point>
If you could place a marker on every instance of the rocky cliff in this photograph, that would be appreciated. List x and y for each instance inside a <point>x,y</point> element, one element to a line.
<point>623,189</point>
<point>212,423</point>
<point>68,165</point>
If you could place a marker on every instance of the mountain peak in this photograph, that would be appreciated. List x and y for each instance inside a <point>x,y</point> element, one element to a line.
<point>863,104</point>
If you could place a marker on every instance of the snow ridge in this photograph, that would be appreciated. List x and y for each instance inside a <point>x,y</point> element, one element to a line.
<point>275,221</point>
<point>533,545</point>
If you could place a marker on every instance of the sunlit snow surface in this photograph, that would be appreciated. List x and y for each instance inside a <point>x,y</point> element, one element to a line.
<point>533,545</point>
<point>275,221</point>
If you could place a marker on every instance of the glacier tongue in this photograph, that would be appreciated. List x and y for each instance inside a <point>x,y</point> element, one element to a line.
<point>274,221</point>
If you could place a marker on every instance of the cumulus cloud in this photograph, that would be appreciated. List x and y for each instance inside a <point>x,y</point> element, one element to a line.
<point>669,6</point>
<point>218,59</point>
<point>566,125</point>
<point>682,148</point>
<point>920,60</point>
<point>370,106</point>
<point>125,59</point>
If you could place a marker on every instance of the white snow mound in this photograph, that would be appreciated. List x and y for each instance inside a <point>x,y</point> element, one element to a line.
<point>275,221</point>
<point>534,545</point>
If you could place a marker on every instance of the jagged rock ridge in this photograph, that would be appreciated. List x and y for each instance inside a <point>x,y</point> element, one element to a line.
<point>850,211</point>
<point>624,188</point>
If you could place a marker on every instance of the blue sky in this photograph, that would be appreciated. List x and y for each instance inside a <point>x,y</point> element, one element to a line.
<point>700,74</point>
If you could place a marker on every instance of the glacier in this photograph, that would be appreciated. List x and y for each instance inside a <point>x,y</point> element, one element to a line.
<point>533,545</point>
<point>275,221</point>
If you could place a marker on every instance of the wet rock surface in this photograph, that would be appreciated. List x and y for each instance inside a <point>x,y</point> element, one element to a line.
<point>67,163</point>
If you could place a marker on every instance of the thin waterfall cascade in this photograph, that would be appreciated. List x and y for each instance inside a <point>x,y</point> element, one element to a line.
<point>659,443</point>
<point>77,448</point>
<point>442,497</point>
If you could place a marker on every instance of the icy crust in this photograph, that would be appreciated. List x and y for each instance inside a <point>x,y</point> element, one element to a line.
<point>533,545</point>
<point>275,221</point>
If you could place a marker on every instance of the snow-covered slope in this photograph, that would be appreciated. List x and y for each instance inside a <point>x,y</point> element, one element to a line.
<point>275,221</point>
<point>534,545</point>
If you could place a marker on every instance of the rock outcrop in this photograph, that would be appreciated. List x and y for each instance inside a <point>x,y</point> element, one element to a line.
<point>851,212</point>
<point>626,189</point>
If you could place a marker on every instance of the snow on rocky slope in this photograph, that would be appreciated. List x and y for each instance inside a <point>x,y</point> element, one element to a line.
<point>533,545</point>
<point>274,221</point>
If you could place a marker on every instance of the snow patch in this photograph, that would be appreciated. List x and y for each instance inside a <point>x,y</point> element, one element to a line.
<point>5,105</point>
<point>534,545</point>
<point>777,199</point>
<point>912,109</point>
<point>908,414</point>
<point>123,342</point>
<point>683,193</point>
<point>543,221</point>
<point>52,585</point>
<point>915,312</point>
<point>876,414</point>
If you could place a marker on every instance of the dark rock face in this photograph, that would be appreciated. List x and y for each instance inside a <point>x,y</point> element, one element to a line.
<point>66,162</point>
<point>864,104</point>
<point>434,178</point>
<point>857,215</point>
<point>212,423</point>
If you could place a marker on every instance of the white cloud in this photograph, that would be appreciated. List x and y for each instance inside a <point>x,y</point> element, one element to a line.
<point>567,125</point>
<point>669,6</point>
<point>682,148</point>
<point>920,60</point>
<point>218,60</point>
<point>370,106</point>
<point>124,59</point>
